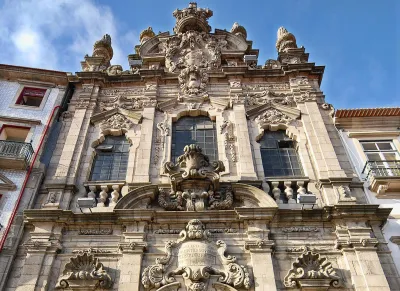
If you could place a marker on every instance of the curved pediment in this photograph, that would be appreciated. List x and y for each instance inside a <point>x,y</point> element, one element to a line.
<point>252,196</point>
<point>140,197</point>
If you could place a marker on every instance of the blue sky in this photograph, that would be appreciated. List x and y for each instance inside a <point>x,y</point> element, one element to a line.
<point>358,41</point>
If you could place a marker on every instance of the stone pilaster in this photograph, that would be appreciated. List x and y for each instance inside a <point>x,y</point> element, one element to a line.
<point>361,258</point>
<point>72,152</point>
<point>132,252</point>
<point>260,248</point>
<point>246,170</point>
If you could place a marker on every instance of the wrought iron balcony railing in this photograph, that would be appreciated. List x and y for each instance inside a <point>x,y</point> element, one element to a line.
<point>15,155</point>
<point>382,169</point>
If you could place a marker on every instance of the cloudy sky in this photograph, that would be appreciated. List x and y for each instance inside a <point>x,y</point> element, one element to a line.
<point>357,41</point>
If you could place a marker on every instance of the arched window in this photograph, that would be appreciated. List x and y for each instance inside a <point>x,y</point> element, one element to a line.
<point>111,160</point>
<point>199,130</point>
<point>279,155</point>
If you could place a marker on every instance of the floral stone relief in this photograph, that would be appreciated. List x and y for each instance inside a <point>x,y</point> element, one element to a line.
<point>196,258</point>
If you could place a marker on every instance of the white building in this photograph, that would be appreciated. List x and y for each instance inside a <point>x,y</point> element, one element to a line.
<point>372,140</point>
<point>30,102</point>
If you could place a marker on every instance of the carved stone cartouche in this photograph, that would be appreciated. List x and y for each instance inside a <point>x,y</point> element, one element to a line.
<point>197,258</point>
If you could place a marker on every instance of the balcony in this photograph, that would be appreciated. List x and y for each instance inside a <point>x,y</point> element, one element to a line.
<point>15,155</point>
<point>383,178</point>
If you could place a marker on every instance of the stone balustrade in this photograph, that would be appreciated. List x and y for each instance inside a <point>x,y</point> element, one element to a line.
<point>106,194</point>
<point>286,190</point>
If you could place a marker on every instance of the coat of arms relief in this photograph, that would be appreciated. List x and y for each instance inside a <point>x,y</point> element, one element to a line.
<point>198,262</point>
<point>193,54</point>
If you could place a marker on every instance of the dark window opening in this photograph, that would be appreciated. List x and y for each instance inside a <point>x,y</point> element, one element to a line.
<point>31,97</point>
<point>111,161</point>
<point>199,130</point>
<point>279,155</point>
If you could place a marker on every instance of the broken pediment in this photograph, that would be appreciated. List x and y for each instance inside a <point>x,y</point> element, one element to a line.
<point>273,116</point>
<point>196,257</point>
<point>126,115</point>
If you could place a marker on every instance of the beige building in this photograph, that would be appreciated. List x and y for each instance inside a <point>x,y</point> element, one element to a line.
<point>198,169</point>
<point>372,141</point>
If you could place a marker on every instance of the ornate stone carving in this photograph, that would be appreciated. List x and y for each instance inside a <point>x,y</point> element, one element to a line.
<point>345,194</point>
<point>272,116</point>
<point>272,64</point>
<point>229,139</point>
<point>239,30</point>
<point>311,269</point>
<point>264,97</point>
<point>86,270</point>
<point>194,183</point>
<point>92,231</point>
<point>300,229</point>
<point>117,122</point>
<point>163,128</point>
<point>193,81</point>
<point>197,258</point>
<point>285,40</point>
<point>91,251</point>
<point>101,56</point>
<point>192,18</point>
<point>146,35</point>
<point>114,70</point>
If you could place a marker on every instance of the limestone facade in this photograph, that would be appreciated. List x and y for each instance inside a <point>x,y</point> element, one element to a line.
<point>185,221</point>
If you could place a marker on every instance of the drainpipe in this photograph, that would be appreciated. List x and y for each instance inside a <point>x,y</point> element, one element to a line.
<point>14,212</point>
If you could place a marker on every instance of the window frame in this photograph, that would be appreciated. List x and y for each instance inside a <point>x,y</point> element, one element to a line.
<point>291,151</point>
<point>112,155</point>
<point>383,163</point>
<point>176,152</point>
<point>18,95</point>
<point>28,137</point>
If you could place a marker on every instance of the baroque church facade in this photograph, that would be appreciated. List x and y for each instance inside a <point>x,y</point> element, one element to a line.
<point>198,169</point>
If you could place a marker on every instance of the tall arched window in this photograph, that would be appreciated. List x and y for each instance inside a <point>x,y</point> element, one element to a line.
<point>111,160</point>
<point>279,155</point>
<point>199,130</point>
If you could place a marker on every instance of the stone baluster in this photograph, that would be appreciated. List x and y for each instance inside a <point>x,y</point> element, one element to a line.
<point>301,190</point>
<point>276,192</point>
<point>103,196</point>
<point>92,193</point>
<point>114,194</point>
<point>289,192</point>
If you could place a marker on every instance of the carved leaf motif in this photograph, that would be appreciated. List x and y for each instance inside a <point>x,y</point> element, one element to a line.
<point>273,116</point>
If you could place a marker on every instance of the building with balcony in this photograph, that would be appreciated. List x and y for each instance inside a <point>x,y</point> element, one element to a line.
<point>372,141</point>
<point>197,168</point>
<point>29,107</point>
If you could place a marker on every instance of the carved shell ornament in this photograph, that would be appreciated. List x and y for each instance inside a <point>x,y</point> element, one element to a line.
<point>197,258</point>
<point>81,270</point>
<point>314,269</point>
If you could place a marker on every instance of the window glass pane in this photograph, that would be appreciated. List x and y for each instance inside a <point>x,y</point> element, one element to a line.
<point>384,146</point>
<point>198,130</point>
<point>368,146</point>
<point>389,156</point>
<point>374,157</point>
<point>279,158</point>
<point>111,165</point>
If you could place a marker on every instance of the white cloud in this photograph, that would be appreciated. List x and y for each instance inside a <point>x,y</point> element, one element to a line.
<point>57,34</point>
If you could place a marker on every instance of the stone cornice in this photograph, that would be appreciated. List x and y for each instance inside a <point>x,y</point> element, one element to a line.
<point>15,73</point>
<point>20,120</point>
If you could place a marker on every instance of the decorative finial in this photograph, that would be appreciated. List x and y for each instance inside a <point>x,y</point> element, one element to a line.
<point>239,30</point>
<point>103,48</point>
<point>192,18</point>
<point>285,40</point>
<point>146,34</point>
